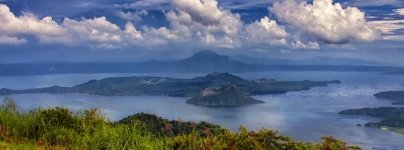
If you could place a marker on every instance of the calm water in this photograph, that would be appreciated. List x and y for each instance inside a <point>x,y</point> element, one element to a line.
<point>305,115</point>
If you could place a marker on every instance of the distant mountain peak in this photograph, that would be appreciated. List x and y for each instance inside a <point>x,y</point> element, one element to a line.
<point>221,75</point>
<point>207,54</point>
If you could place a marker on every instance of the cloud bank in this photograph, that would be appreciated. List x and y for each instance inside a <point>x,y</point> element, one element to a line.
<point>326,21</point>
<point>203,21</point>
<point>98,32</point>
<point>12,28</point>
<point>199,22</point>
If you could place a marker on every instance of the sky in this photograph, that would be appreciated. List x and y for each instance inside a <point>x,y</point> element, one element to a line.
<point>139,30</point>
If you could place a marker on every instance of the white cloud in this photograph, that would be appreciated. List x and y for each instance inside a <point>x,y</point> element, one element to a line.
<point>365,3</point>
<point>97,32</point>
<point>101,32</point>
<point>132,33</point>
<point>11,26</point>
<point>326,21</point>
<point>399,11</point>
<point>388,26</point>
<point>200,23</point>
<point>4,39</point>
<point>266,31</point>
<point>389,29</point>
<point>204,20</point>
<point>192,21</point>
<point>309,45</point>
<point>131,16</point>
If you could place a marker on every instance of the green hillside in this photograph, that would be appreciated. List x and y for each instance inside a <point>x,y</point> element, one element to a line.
<point>58,128</point>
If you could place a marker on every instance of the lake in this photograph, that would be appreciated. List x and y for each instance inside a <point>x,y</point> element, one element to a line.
<point>304,115</point>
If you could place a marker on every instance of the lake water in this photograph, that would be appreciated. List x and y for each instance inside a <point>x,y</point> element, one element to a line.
<point>304,115</point>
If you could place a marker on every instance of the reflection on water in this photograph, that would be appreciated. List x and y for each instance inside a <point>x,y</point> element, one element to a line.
<point>305,115</point>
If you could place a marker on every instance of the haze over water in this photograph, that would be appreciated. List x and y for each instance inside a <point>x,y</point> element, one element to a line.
<point>304,115</point>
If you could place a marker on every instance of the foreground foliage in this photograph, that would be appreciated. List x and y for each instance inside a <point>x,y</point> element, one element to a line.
<point>59,128</point>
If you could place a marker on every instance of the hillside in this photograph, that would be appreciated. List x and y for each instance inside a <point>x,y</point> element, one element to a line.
<point>396,96</point>
<point>59,128</point>
<point>223,96</point>
<point>391,116</point>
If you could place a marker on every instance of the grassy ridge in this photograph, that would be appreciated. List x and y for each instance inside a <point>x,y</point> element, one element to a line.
<point>59,128</point>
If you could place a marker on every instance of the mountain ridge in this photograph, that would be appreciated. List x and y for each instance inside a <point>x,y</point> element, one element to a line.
<point>201,62</point>
<point>240,90</point>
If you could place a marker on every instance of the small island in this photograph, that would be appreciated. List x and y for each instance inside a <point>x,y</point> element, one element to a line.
<point>396,96</point>
<point>391,117</point>
<point>230,89</point>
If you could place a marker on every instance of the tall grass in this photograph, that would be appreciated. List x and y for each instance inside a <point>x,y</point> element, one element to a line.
<point>58,128</point>
<point>62,129</point>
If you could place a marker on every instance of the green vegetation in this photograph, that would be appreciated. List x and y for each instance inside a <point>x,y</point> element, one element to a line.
<point>59,128</point>
<point>392,117</point>
<point>164,127</point>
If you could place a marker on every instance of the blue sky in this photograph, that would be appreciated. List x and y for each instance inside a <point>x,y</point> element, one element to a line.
<point>137,30</point>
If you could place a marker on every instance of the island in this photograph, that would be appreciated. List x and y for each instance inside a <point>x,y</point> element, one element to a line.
<point>190,88</point>
<point>396,96</point>
<point>223,96</point>
<point>391,117</point>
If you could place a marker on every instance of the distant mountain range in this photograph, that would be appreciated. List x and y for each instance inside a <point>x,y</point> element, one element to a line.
<point>310,61</point>
<point>201,62</point>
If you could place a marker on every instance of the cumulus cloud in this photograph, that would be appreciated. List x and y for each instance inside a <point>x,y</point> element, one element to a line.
<point>12,26</point>
<point>204,20</point>
<point>326,21</point>
<point>101,32</point>
<point>399,11</point>
<point>201,23</point>
<point>266,31</point>
<point>98,31</point>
